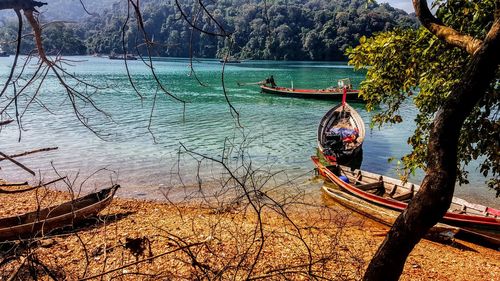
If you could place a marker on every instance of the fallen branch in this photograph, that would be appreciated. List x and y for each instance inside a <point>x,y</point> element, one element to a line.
<point>30,152</point>
<point>30,188</point>
<point>141,261</point>
<point>16,271</point>
<point>17,163</point>
<point>13,184</point>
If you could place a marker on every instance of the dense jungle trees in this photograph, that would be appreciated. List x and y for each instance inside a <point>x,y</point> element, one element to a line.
<point>274,30</point>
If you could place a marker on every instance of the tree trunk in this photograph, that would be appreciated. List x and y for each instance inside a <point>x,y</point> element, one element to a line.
<point>436,192</point>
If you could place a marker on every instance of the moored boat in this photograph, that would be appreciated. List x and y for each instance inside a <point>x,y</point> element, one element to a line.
<point>42,222</point>
<point>230,61</point>
<point>122,57</point>
<point>341,133</point>
<point>395,195</point>
<point>330,93</point>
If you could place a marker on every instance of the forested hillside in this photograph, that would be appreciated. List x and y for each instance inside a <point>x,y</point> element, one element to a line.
<point>275,30</point>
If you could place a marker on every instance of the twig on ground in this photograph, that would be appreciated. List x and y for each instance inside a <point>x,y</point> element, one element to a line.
<point>143,260</point>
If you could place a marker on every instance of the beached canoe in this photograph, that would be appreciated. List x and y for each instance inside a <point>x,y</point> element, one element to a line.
<point>341,132</point>
<point>394,194</point>
<point>42,222</point>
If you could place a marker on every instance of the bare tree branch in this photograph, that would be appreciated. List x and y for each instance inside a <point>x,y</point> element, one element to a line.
<point>30,152</point>
<point>143,260</point>
<point>30,188</point>
<point>17,163</point>
<point>20,4</point>
<point>223,32</point>
<point>18,48</point>
<point>6,122</point>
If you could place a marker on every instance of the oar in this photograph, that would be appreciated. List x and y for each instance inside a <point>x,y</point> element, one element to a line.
<point>251,83</point>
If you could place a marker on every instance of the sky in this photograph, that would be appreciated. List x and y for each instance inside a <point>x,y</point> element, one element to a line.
<point>402,4</point>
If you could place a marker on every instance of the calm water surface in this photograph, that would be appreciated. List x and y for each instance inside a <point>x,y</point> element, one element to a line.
<point>279,133</point>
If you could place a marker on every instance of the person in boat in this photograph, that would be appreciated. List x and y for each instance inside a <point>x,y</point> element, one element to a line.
<point>270,80</point>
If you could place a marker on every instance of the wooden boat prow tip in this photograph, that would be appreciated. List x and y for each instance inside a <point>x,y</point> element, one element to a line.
<point>42,222</point>
<point>474,219</point>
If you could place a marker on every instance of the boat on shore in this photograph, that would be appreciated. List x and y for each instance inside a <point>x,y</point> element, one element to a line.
<point>42,222</point>
<point>377,213</point>
<point>473,219</point>
<point>341,133</point>
<point>330,93</point>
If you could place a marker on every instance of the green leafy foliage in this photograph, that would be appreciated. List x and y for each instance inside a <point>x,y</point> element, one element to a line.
<point>406,65</point>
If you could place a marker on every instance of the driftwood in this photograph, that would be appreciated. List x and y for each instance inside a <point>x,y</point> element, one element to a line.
<point>13,184</point>
<point>27,189</point>
<point>30,152</point>
<point>17,163</point>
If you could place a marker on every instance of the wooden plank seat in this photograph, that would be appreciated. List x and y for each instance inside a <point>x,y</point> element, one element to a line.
<point>404,197</point>
<point>371,186</point>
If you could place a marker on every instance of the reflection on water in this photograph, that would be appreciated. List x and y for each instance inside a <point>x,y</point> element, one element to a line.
<point>279,134</point>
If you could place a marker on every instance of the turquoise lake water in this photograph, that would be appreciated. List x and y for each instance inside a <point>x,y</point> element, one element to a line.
<point>279,132</point>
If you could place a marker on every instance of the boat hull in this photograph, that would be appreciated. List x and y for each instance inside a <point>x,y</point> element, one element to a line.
<point>322,94</point>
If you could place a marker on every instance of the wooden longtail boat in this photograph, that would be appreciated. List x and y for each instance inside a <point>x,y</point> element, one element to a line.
<point>41,222</point>
<point>393,194</point>
<point>331,93</point>
<point>341,132</point>
<point>325,94</point>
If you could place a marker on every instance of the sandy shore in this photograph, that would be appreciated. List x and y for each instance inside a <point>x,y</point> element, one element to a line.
<point>297,239</point>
